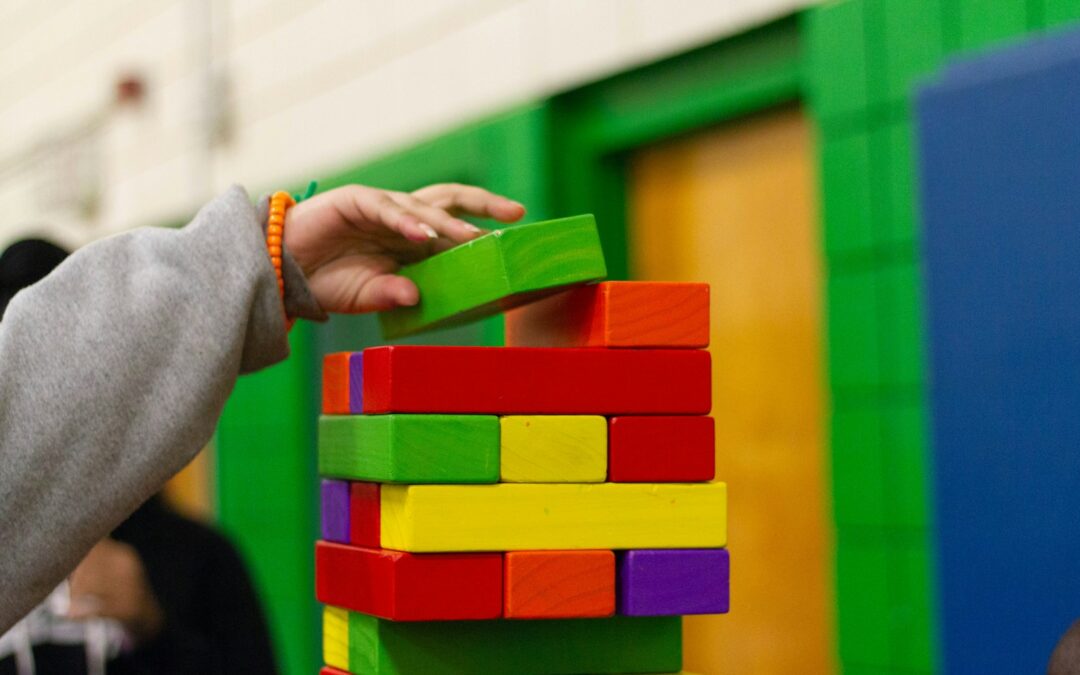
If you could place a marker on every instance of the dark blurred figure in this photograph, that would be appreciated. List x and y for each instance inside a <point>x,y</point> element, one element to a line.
<point>1066,657</point>
<point>163,595</point>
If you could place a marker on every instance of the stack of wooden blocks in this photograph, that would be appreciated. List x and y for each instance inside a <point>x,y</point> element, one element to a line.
<point>544,507</point>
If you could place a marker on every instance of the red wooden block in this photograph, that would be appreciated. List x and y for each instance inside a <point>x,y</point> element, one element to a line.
<point>409,587</point>
<point>615,314</point>
<point>559,584</point>
<point>365,515</point>
<point>522,380</point>
<point>328,670</point>
<point>661,449</point>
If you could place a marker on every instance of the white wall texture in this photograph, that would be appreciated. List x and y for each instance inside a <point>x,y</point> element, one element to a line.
<point>264,92</point>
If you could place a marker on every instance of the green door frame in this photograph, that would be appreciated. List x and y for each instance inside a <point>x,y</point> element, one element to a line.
<point>597,126</point>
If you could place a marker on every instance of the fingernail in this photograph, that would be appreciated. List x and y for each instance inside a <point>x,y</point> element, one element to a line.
<point>469,226</point>
<point>429,231</point>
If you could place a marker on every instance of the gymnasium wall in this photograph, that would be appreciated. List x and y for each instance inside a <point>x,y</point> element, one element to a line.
<point>263,92</point>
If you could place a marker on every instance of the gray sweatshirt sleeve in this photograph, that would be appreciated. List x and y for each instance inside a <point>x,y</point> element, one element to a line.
<point>113,372</point>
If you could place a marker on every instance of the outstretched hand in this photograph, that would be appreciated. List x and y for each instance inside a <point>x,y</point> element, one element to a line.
<point>350,242</point>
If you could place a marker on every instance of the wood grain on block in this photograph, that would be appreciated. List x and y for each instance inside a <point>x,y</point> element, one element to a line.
<point>498,271</point>
<point>553,516</point>
<point>408,587</point>
<point>618,644</point>
<point>364,514</point>
<point>341,390</point>
<point>509,380</point>
<point>639,314</point>
<point>410,448</point>
<point>651,449</point>
<point>335,510</point>
<point>553,449</point>
<point>674,582</point>
<point>558,584</point>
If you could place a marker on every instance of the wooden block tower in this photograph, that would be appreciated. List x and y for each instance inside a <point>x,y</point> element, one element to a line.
<point>544,507</point>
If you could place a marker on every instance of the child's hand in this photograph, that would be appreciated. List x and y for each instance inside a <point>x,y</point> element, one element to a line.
<point>351,241</point>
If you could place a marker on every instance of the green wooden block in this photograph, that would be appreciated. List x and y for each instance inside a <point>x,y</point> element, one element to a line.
<point>846,193</point>
<point>914,630</point>
<point>614,645</point>
<point>981,23</point>
<point>853,330</point>
<point>858,469</point>
<point>836,57</point>
<point>906,42</point>
<point>904,437</point>
<point>902,332</point>
<point>410,448</point>
<point>863,600</point>
<point>498,271</point>
<point>1060,12</point>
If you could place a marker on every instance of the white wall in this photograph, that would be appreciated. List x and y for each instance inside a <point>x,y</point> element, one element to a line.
<point>300,87</point>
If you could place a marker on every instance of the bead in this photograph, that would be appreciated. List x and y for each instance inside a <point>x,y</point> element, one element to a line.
<point>274,239</point>
<point>275,251</point>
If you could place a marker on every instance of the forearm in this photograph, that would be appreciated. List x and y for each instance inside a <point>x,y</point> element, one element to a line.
<point>113,372</point>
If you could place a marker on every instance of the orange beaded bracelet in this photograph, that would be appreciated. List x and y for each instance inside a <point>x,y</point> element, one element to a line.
<point>275,229</point>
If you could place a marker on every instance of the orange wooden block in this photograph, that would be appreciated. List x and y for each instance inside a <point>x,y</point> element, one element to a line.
<point>558,584</point>
<point>335,383</point>
<point>615,314</point>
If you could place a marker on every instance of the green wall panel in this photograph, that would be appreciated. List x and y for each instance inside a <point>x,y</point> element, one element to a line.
<point>836,58</point>
<point>902,336</point>
<point>906,42</point>
<point>863,591</point>
<point>914,629</point>
<point>1059,12</point>
<point>981,23</point>
<point>892,154</point>
<point>265,476</point>
<point>904,440</point>
<point>858,470</point>
<point>847,200</point>
<point>852,301</point>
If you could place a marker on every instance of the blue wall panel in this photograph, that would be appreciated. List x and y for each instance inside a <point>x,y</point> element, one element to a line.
<point>1000,165</point>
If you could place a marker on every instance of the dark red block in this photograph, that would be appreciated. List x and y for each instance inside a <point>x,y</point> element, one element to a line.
<point>407,586</point>
<point>675,449</point>
<point>523,380</point>
<point>365,515</point>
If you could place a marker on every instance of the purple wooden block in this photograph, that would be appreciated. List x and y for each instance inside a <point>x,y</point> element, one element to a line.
<point>671,582</point>
<point>335,510</point>
<point>356,391</point>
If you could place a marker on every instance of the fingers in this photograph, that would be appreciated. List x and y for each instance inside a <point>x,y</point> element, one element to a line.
<point>358,204</point>
<point>386,291</point>
<point>472,200</point>
<point>439,219</point>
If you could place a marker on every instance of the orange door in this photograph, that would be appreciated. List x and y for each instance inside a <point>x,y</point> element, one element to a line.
<point>735,206</point>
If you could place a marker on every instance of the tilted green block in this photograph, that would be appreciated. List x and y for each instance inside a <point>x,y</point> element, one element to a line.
<point>410,448</point>
<point>858,468</point>
<point>498,271</point>
<point>906,463</point>
<point>853,330</point>
<point>900,320</point>
<point>863,598</point>
<point>618,644</point>
<point>1060,12</point>
<point>846,192</point>
<point>836,54</point>
<point>914,643</point>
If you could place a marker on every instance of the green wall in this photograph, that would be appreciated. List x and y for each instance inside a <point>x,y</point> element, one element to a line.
<point>863,58</point>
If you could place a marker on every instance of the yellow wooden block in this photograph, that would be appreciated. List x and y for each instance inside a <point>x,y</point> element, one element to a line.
<point>553,449</point>
<point>336,637</point>
<point>530,516</point>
